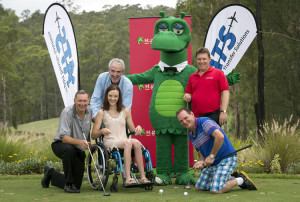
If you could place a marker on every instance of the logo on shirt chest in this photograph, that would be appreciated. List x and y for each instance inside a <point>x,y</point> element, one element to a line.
<point>209,77</point>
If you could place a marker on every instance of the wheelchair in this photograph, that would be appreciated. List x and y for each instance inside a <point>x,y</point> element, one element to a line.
<point>102,156</point>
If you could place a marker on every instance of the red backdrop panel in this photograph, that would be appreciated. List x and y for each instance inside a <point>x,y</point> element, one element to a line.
<point>143,58</point>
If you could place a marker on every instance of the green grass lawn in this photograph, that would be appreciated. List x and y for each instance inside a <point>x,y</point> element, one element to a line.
<point>44,126</point>
<point>39,135</point>
<point>28,188</point>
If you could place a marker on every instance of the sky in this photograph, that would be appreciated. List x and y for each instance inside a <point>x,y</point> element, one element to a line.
<point>88,5</point>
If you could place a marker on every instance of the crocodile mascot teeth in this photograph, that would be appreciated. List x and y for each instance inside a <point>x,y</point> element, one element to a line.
<point>170,76</point>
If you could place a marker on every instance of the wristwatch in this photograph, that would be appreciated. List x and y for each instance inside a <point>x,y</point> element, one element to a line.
<point>224,111</point>
<point>212,156</point>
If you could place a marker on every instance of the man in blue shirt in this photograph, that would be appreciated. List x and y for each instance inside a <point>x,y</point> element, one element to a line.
<point>116,68</point>
<point>212,143</point>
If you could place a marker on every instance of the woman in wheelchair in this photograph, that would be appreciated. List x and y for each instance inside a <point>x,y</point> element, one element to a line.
<point>115,116</point>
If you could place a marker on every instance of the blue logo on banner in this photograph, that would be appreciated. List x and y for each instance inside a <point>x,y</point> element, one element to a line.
<point>224,38</point>
<point>68,66</point>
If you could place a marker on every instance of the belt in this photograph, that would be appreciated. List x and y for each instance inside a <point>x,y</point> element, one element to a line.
<point>57,141</point>
<point>210,113</point>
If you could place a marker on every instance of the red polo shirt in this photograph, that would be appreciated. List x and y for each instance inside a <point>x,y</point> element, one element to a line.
<point>206,90</point>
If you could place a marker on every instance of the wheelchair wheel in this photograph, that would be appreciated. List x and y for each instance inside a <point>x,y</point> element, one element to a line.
<point>113,188</point>
<point>114,185</point>
<point>100,156</point>
<point>149,187</point>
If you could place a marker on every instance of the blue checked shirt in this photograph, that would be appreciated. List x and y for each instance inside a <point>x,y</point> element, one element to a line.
<point>102,83</point>
<point>204,142</point>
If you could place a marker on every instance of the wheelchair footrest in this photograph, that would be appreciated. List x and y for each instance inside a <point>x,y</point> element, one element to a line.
<point>132,185</point>
<point>137,185</point>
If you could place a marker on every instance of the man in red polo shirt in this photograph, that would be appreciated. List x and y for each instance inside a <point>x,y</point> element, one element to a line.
<point>208,90</point>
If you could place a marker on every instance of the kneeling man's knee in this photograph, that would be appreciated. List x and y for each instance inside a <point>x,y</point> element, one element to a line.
<point>217,192</point>
<point>198,189</point>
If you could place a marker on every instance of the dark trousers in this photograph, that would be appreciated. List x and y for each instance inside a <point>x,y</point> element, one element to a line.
<point>73,164</point>
<point>215,115</point>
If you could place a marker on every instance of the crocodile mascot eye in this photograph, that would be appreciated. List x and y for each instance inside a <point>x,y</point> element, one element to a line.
<point>162,27</point>
<point>178,28</point>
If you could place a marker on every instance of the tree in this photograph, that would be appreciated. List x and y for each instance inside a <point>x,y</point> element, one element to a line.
<point>29,90</point>
<point>9,35</point>
<point>260,104</point>
<point>282,64</point>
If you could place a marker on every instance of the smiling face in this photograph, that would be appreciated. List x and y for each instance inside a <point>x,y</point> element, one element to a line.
<point>113,97</point>
<point>186,120</point>
<point>203,61</point>
<point>115,71</point>
<point>81,102</point>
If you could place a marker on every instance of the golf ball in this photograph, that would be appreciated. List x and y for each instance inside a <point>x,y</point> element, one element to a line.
<point>161,191</point>
<point>185,193</point>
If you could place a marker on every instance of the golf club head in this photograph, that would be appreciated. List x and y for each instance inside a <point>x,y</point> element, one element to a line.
<point>187,186</point>
<point>106,194</point>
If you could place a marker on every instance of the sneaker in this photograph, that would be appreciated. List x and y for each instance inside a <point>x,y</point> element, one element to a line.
<point>47,176</point>
<point>71,188</point>
<point>248,184</point>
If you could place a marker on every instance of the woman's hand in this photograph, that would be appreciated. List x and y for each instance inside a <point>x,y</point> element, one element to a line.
<point>138,130</point>
<point>105,131</point>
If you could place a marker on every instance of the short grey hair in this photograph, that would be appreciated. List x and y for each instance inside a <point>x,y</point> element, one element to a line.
<point>81,92</point>
<point>118,61</point>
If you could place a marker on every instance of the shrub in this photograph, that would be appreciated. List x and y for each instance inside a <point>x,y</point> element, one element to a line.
<point>27,166</point>
<point>20,167</point>
<point>277,139</point>
<point>293,168</point>
<point>282,140</point>
<point>238,143</point>
<point>42,147</point>
<point>10,150</point>
<point>251,167</point>
<point>26,153</point>
<point>275,167</point>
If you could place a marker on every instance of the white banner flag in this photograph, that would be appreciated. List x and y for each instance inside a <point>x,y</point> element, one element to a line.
<point>229,35</point>
<point>61,43</point>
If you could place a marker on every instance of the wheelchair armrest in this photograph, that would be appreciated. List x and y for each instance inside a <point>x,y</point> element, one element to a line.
<point>128,133</point>
<point>100,138</point>
<point>131,133</point>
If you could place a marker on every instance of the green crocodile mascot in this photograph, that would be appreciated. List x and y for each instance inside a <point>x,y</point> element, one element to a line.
<point>170,76</point>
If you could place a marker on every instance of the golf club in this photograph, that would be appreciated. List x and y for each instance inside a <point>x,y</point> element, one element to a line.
<point>250,145</point>
<point>188,186</point>
<point>105,193</point>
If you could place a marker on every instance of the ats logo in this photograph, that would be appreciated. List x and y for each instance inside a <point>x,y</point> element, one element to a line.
<point>224,37</point>
<point>140,40</point>
<point>62,44</point>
